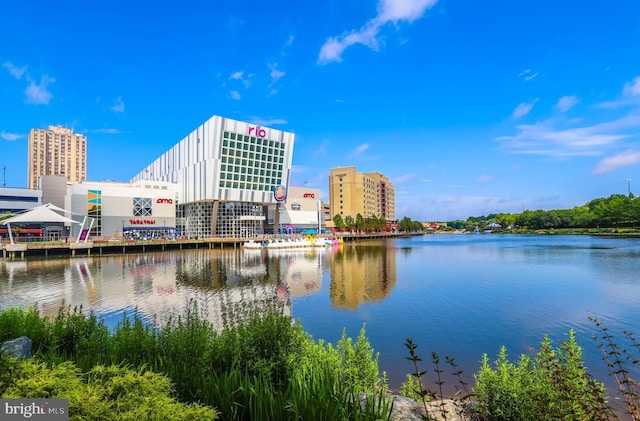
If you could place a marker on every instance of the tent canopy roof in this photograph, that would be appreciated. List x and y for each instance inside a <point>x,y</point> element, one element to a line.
<point>41,213</point>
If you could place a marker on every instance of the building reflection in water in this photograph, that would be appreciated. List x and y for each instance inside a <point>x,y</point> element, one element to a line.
<point>225,285</point>
<point>362,274</point>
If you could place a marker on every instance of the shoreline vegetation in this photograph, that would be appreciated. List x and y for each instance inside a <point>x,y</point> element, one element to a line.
<point>264,366</point>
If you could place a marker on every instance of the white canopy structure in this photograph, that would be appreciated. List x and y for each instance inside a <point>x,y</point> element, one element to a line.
<point>42,213</point>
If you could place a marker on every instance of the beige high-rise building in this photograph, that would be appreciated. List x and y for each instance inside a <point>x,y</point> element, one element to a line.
<point>56,151</point>
<point>368,194</point>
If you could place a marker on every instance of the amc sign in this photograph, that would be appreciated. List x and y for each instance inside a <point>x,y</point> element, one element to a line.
<point>309,196</point>
<point>165,201</point>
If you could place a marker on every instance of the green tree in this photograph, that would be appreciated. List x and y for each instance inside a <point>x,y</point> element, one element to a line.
<point>359,222</point>
<point>338,221</point>
<point>349,222</point>
<point>382,223</point>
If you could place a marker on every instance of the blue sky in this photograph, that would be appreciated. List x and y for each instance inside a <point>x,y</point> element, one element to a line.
<point>468,107</point>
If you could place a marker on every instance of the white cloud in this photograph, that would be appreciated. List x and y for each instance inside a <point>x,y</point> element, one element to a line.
<point>10,136</point>
<point>258,121</point>
<point>235,95</point>
<point>14,70</point>
<point>426,180</point>
<point>527,75</point>
<point>321,150</point>
<point>298,169</point>
<point>632,88</point>
<point>434,207</point>
<point>242,78</point>
<point>630,95</point>
<point>403,178</point>
<point>105,131</point>
<point>38,93</point>
<point>485,178</point>
<point>523,109</point>
<point>288,43</point>
<point>397,10</point>
<point>389,11</point>
<point>545,138</point>
<point>612,163</point>
<point>275,74</point>
<point>567,102</point>
<point>118,105</point>
<point>359,150</point>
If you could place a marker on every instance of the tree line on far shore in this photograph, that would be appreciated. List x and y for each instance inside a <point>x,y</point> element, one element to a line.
<point>615,211</point>
<point>374,224</point>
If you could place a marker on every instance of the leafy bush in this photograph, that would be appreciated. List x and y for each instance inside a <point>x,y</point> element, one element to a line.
<point>552,385</point>
<point>264,368</point>
<point>16,322</point>
<point>105,393</point>
<point>358,366</point>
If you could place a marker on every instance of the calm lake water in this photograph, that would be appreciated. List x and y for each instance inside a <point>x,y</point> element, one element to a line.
<point>458,295</point>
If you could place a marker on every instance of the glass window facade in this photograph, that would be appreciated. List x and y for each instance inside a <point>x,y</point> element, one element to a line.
<point>94,210</point>
<point>233,220</point>
<point>142,206</point>
<point>235,152</point>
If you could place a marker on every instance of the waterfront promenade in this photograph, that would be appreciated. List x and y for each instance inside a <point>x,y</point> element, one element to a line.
<point>119,246</point>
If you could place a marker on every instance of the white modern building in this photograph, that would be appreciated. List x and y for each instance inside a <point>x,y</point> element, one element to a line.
<point>143,209</point>
<point>228,172</point>
<point>301,212</point>
<point>14,200</point>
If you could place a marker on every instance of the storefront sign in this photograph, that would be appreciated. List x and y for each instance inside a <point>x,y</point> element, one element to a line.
<point>257,131</point>
<point>142,221</point>
<point>280,193</point>
<point>309,195</point>
<point>167,201</point>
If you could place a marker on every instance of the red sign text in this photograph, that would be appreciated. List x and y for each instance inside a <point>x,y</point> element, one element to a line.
<point>142,221</point>
<point>258,131</point>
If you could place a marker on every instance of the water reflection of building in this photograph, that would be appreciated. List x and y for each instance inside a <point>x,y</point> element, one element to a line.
<point>237,285</point>
<point>225,285</point>
<point>362,274</point>
<point>300,270</point>
<point>48,284</point>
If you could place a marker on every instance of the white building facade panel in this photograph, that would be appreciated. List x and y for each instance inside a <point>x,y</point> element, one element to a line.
<point>224,160</point>
<point>146,206</point>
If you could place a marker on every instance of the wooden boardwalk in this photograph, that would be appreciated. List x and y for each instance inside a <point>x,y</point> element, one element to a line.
<point>115,246</point>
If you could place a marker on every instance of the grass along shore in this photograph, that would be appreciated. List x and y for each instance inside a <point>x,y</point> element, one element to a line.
<point>268,368</point>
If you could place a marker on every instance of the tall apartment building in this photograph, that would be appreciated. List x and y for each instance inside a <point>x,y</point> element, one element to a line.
<point>56,151</point>
<point>368,194</point>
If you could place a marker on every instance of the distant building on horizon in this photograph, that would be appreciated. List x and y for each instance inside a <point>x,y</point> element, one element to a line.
<point>368,194</point>
<point>56,151</point>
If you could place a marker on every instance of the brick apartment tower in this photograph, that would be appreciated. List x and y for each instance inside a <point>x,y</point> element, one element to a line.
<point>368,194</point>
<point>57,151</point>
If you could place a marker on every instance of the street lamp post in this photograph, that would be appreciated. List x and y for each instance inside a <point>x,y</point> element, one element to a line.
<point>123,230</point>
<point>280,220</point>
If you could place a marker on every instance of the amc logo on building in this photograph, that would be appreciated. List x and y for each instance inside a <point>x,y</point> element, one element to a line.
<point>309,196</point>
<point>165,201</point>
